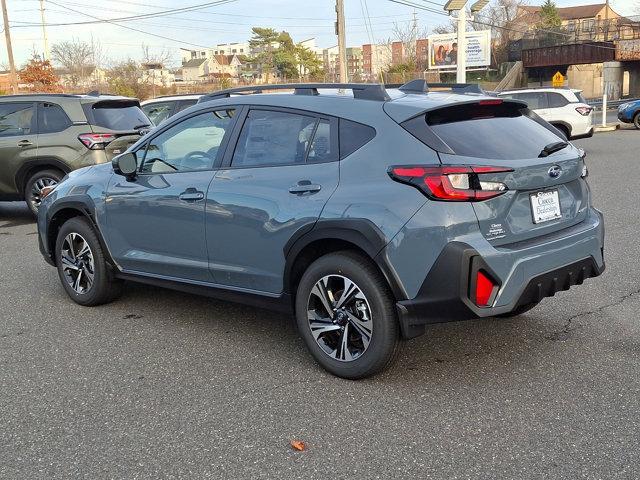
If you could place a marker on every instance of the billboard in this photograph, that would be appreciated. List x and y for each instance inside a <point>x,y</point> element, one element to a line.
<point>443,50</point>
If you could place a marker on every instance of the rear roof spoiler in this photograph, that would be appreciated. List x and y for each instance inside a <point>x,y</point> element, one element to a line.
<point>422,86</point>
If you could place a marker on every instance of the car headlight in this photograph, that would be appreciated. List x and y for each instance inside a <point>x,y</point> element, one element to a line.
<point>623,106</point>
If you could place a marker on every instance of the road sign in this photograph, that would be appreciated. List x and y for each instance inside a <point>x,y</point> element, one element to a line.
<point>557,80</point>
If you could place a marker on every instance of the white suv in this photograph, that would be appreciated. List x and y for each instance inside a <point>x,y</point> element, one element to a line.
<point>564,108</point>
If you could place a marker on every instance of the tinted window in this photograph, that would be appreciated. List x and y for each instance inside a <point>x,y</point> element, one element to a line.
<point>15,119</point>
<point>182,104</point>
<point>556,100</point>
<point>193,144</point>
<point>119,116</point>
<point>535,100</point>
<point>490,131</point>
<point>273,138</point>
<point>353,136</point>
<point>51,118</point>
<point>157,112</point>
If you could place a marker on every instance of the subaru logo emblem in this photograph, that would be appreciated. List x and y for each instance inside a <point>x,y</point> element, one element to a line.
<point>555,171</point>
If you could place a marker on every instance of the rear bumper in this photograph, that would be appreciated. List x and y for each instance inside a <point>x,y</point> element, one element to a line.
<point>525,274</point>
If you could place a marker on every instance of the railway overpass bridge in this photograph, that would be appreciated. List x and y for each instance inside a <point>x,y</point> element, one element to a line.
<point>587,63</point>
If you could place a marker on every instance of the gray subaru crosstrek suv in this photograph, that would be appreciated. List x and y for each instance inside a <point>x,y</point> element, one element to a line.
<point>368,214</point>
<point>45,136</point>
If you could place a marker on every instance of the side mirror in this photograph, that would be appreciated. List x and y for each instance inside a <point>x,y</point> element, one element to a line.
<point>125,164</point>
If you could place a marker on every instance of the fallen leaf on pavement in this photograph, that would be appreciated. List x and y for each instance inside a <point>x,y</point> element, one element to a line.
<point>298,445</point>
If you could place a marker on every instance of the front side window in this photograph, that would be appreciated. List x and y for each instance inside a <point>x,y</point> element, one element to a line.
<point>15,119</point>
<point>191,145</point>
<point>275,138</point>
<point>157,112</point>
<point>51,118</point>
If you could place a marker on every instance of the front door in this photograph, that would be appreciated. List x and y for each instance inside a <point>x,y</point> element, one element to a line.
<point>156,221</point>
<point>18,143</point>
<point>272,186</point>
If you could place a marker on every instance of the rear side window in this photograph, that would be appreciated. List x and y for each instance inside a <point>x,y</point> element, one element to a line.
<point>51,118</point>
<point>16,119</point>
<point>118,116</point>
<point>353,135</point>
<point>580,97</point>
<point>535,100</point>
<point>274,138</point>
<point>490,131</point>
<point>556,100</point>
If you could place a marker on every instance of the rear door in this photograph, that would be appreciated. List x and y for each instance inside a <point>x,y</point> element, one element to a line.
<point>273,185</point>
<point>18,142</point>
<point>545,193</point>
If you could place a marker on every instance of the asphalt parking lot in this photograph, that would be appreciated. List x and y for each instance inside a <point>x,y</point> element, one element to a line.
<point>163,384</point>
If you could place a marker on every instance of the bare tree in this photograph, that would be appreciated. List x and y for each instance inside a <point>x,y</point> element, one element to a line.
<point>75,56</point>
<point>161,57</point>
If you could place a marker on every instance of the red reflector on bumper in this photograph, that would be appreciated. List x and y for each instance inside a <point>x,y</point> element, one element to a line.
<point>484,289</point>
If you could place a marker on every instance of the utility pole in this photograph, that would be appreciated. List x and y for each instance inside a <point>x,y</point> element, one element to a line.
<point>44,32</point>
<point>461,63</point>
<point>342,48</point>
<point>7,36</point>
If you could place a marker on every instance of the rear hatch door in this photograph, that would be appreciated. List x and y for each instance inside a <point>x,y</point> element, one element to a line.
<point>546,191</point>
<point>120,117</point>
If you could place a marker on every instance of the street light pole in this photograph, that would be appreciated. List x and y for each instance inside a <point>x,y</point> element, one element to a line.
<point>461,61</point>
<point>44,31</point>
<point>342,48</point>
<point>7,36</point>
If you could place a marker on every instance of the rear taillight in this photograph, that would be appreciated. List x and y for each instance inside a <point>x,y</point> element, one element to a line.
<point>584,110</point>
<point>485,288</point>
<point>451,183</point>
<point>96,141</point>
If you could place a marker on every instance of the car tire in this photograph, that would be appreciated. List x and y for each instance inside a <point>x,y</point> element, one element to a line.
<point>518,310</point>
<point>564,130</point>
<point>636,120</point>
<point>81,265</point>
<point>361,336</point>
<point>35,183</point>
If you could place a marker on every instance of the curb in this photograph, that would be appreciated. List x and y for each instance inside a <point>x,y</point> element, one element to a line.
<point>607,128</point>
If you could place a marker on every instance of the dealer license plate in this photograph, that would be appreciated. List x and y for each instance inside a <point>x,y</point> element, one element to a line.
<point>545,206</point>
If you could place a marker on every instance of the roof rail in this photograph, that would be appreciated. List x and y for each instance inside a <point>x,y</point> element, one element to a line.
<point>362,91</point>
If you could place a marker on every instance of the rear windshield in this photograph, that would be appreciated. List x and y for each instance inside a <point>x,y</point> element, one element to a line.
<point>119,116</point>
<point>504,131</point>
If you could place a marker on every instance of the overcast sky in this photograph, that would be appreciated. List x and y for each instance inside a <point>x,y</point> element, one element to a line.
<point>230,22</point>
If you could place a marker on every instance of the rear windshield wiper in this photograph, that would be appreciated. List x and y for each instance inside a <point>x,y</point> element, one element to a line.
<point>138,127</point>
<point>552,148</point>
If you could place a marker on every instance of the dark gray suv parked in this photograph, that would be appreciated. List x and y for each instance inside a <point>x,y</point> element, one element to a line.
<point>45,136</point>
<point>370,215</point>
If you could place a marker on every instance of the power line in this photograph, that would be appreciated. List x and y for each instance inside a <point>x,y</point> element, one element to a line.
<point>130,28</point>
<point>139,16</point>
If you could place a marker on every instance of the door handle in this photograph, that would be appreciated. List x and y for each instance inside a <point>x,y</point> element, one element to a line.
<point>191,195</point>
<point>24,143</point>
<point>305,186</point>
